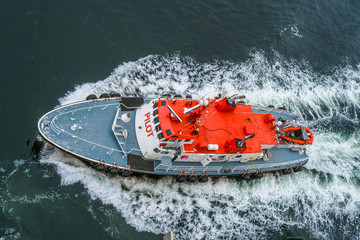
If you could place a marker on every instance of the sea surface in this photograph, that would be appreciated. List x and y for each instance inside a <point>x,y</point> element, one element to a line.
<point>304,55</point>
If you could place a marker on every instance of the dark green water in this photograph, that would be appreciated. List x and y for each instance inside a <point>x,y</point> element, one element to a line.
<point>301,54</point>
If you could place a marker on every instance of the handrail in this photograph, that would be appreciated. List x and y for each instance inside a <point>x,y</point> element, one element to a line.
<point>218,168</point>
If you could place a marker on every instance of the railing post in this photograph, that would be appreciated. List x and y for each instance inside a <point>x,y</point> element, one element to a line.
<point>157,166</point>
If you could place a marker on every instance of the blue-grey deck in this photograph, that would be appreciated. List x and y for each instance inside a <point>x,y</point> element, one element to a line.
<point>91,138</point>
<point>84,129</point>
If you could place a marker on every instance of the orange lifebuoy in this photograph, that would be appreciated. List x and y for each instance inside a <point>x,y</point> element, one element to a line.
<point>295,140</point>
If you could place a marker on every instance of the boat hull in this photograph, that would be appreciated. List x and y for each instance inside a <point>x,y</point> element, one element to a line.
<point>83,129</point>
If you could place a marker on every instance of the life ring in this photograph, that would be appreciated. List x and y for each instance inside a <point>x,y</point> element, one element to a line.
<point>310,141</point>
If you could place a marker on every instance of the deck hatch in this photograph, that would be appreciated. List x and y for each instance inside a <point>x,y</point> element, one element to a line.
<point>131,103</point>
<point>168,132</point>
<point>138,163</point>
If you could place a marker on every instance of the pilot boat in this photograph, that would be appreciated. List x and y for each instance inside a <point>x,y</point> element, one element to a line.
<point>189,139</point>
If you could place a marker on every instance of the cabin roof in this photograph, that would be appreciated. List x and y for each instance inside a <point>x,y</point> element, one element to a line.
<point>220,122</point>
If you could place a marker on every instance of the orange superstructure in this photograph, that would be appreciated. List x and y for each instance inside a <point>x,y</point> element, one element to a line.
<point>216,126</point>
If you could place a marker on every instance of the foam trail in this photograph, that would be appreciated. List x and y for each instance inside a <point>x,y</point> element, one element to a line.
<point>322,202</point>
<point>263,81</point>
<point>225,207</point>
<point>336,154</point>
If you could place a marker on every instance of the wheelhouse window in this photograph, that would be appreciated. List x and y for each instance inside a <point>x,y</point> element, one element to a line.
<point>158,128</point>
<point>156,120</point>
<point>160,135</point>
<point>155,104</point>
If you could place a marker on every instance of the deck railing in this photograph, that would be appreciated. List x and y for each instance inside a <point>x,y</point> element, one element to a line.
<point>189,168</point>
<point>238,168</point>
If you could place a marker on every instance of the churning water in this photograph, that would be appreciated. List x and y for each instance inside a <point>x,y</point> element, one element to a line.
<point>301,54</point>
<point>322,201</point>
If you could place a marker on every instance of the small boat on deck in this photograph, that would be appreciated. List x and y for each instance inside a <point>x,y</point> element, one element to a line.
<point>179,136</point>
